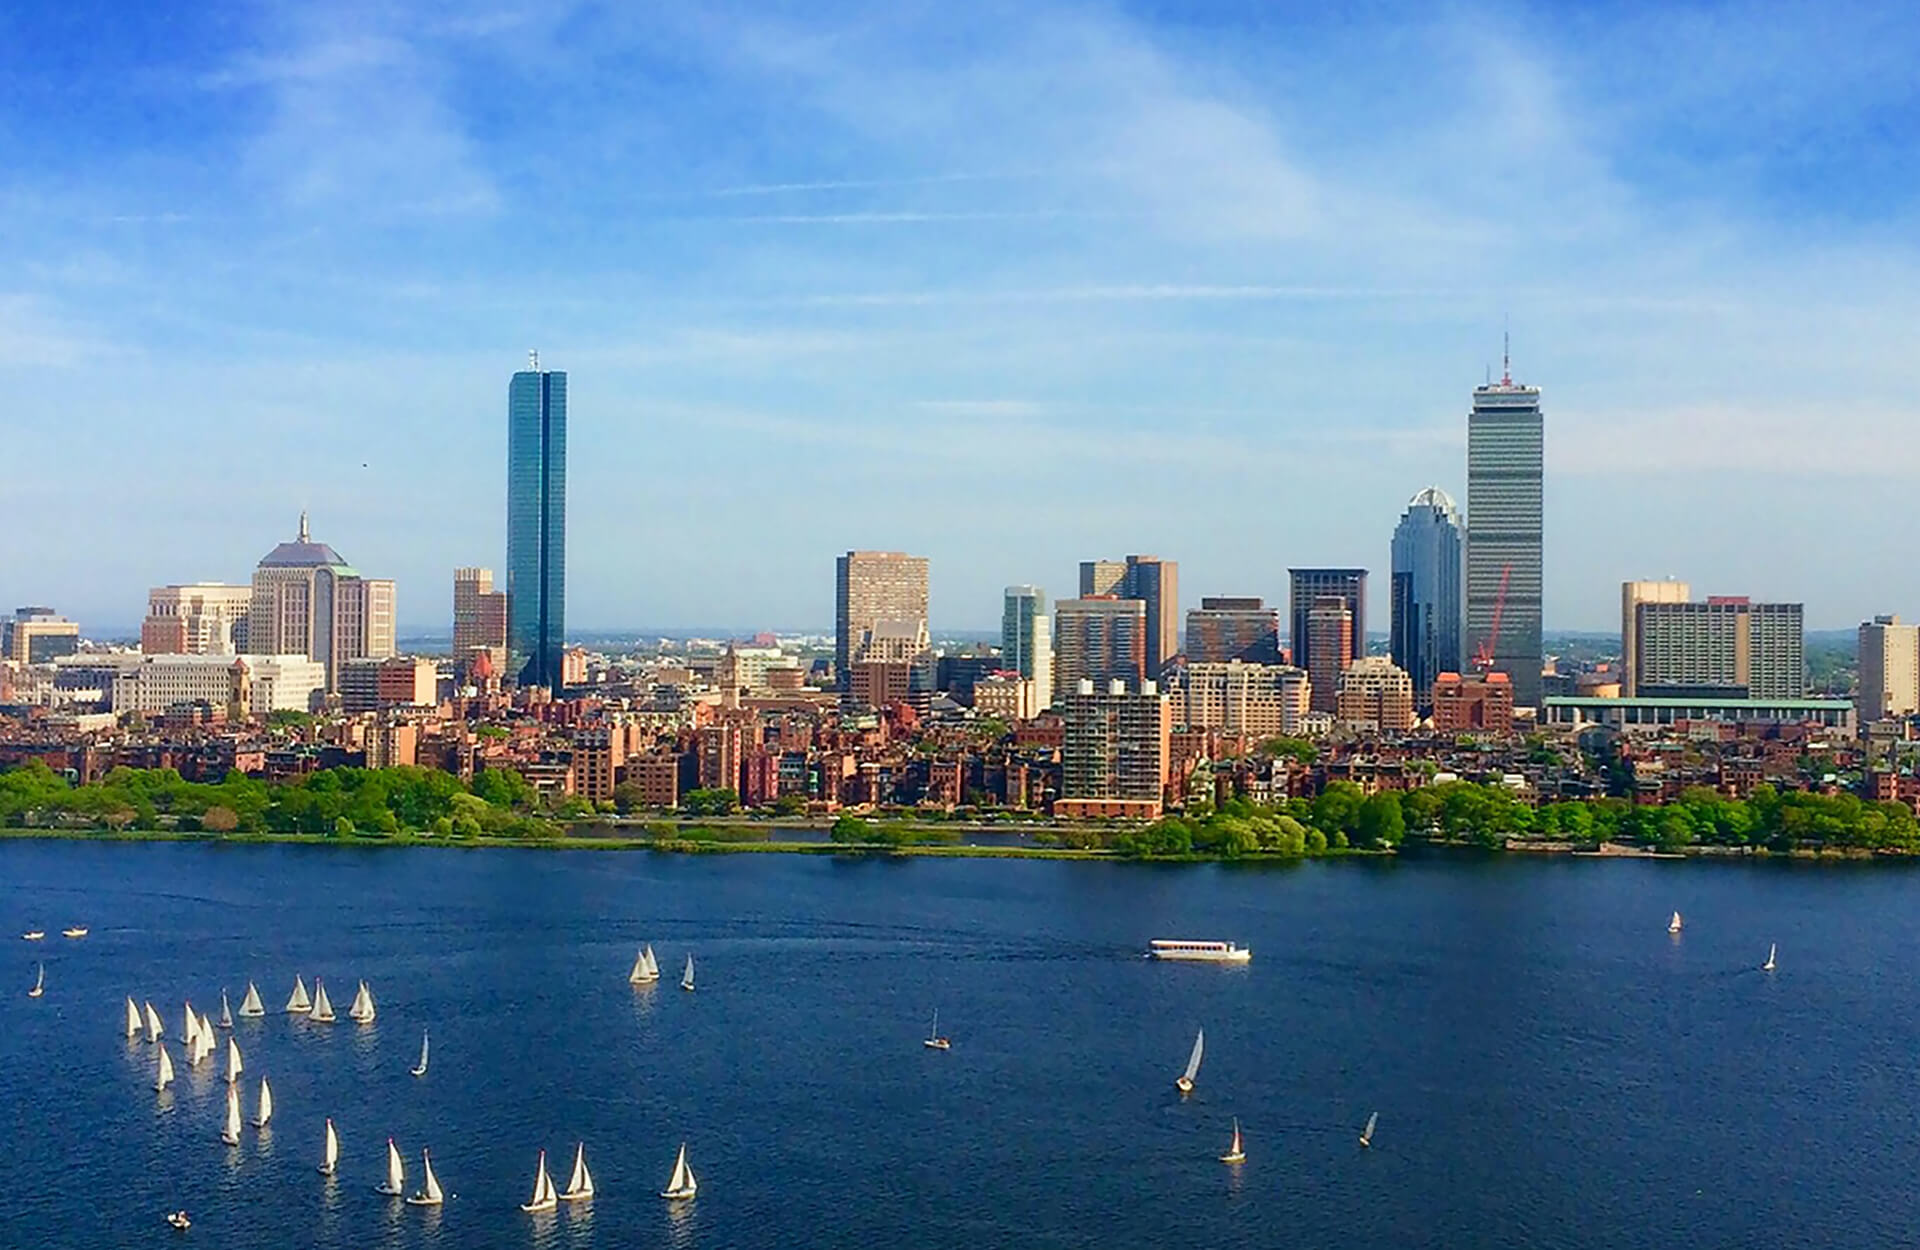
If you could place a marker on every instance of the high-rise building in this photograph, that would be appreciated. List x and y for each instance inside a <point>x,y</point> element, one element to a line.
<point>1026,639</point>
<point>1224,629</point>
<point>1329,638</point>
<point>1725,648</point>
<point>1375,691</point>
<point>537,525</point>
<point>1098,639</point>
<point>1114,752</point>
<point>1429,565</point>
<point>870,587</point>
<point>1632,595</point>
<point>1153,581</point>
<point>1506,441</point>
<point>1306,588</point>
<point>198,619</point>
<point>308,601</point>
<point>1889,670</point>
<point>479,617</point>
<point>38,636</point>
<point>1258,700</point>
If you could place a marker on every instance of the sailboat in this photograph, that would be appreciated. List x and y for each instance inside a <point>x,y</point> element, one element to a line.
<point>1185,1083</point>
<point>226,1013</point>
<point>230,1131</point>
<point>322,1011</point>
<point>645,970</point>
<point>544,1199</point>
<point>330,1153</point>
<point>191,1034</point>
<point>682,1185</point>
<point>251,1006</point>
<point>395,1184</point>
<point>1366,1134</point>
<point>420,1069</point>
<point>298,1002</point>
<point>153,1024</point>
<point>429,1195</point>
<point>1236,1153</point>
<point>362,1009</point>
<point>686,978</point>
<point>266,1105</point>
<point>206,1035</point>
<point>1673,926</point>
<point>580,1185</point>
<point>234,1066</point>
<point>39,983</point>
<point>934,1040</point>
<point>166,1071</point>
<point>1773,948</point>
<point>133,1019</point>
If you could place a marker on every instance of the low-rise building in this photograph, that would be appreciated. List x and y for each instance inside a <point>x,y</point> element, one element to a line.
<point>1375,691</point>
<point>1258,700</point>
<point>250,685</point>
<point>1469,705</point>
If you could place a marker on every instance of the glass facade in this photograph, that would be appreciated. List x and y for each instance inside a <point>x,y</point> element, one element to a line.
<point>1506,439</point>
<point>537,526</point>
<point>1428,566</point>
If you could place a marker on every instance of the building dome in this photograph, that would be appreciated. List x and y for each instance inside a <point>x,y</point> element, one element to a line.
<point>1434,497</point>
<point>302,553</point>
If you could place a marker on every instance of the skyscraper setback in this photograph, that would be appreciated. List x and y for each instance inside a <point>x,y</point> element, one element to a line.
<point>1506,439</point>
<point>1153,581</point>
<point>537,525</point>
<point>871,587</point>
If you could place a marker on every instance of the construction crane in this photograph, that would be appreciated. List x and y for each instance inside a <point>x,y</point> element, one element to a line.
<point>1483,654</point>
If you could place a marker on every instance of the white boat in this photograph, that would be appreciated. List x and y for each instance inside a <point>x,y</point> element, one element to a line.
<point>1366,1134</point>
<point>1773,948</point>
<point>686,978</point>
<point>362,1010</point>
<point>682,1184</point>
<point>230,1131</point>
<point>544,1199</point>
<point>645,970</point>
<point>251,1006</point>
<point>226,1013</point>
<point>78,931</point>
<point>322,1005</point>
<point>580,1184</point>
<point>190,1035</point>
<point>206,1035</point>
<point>298,1001</point>
<point>1673,926</point>
<point>330,1153</point>
<point>33,935</point>
<point>1236,1153</point>
<point>234,1066</point>
<point>133,1019</point>
<point>166,1071</point>
<point>1198,952</point>
<point>266,1104</point>
<point>178,1220</point>
<point>39,983</point>
<point>420,1069</point>
<point>395,1184</point>
<point>429,1195</point>
<point>153,1024</point>
<point>934,1040</point>
<point>1185,1083</point>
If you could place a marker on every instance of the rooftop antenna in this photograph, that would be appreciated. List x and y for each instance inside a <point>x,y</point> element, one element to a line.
<point>1506,357</point>
<point>533,361</point>
<point>303,526</point>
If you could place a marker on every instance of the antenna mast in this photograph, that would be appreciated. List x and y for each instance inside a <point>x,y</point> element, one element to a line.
<point>533,361</point>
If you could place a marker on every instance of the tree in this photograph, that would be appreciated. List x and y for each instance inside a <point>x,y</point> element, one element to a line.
<point>1381,822</point>
<point>789,805</point>
<point>219,819</point>
<point>850,828</point>
<point>1337,810</point>
<point>709,802</point>
<point>1295,748</point>
<point>503,787</point>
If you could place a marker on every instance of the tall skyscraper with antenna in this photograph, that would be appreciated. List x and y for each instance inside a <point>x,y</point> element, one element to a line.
<point>536,524</point>
<point>1506,443</point>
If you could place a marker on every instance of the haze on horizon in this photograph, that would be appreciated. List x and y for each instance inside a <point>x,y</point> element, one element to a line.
<point>1006,285</point>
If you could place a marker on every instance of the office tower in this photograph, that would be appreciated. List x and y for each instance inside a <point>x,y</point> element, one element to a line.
<point>1098,639</point>
<point>1222,629</point>
<point>1375,691</point>
<point>1026,639</point>
<point>870,587</point>
<point>1632,595</point>
<point>39,636</point>
<point>198,619</point>
<point>479,617</point>
<point>1725,648</point>
<point>1114,750</point>
<point>1889,670</point>
<point>537,525</point>
<point>1329,646</point>
<point>1505,472</point>
<point>1258,700</point>
<point>308,601</point>
<point>1306,588</point>
<point>1427,603</point>
<point>1153,581</point>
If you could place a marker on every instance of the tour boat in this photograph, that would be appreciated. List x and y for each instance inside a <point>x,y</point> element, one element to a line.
<point>580,1185</point>
<point>1366,1134</point>
<point>682,1185</point>
<point>1773,948</point>
<point>1185,1083</point>
<point>322,1011</point>
<point>166,1072</point>
<point>251,1006</point>
<point>544,1199</point>
<point>395,1184</point>
<point>645,969</point>
<point>420,1069</point>
<point>39,983</point>
<point>230,1131</point>
<point>934,1040</point>
<point>330,1153</point>
<point>179,1220</point>
<point>1198,952</point>
<point>362,1010</point>
<point>298,1002</point>
<point>1673,926</point>
<point>33,935</point>
<point>266,1105</point>
<point>226,1013</point>
<point>429,1195</point>
<point>133,1019</point>
<point>153,1024</point>
<point>1235,1152</point>
<point>78,931</point>
<point>234,1066</point>
<point>686,978</point>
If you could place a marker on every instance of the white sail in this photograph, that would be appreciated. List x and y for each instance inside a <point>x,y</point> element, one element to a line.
<point>686,978</point>
<point>683,1185</point>
<point>420,1069</point>
<point>266,1105</point>
<point>298,1001</point>
<point>1236,1152</point>
<point>153,1024</point>
<point>580,1185</point>
<point>192,1031</point>
<point>429,1195</point>
<point>207,1042</point>
<point>543,1197</point>
<point>653,965</point>
<point>322,1005</point>
<point>251,1005</point>
<point>234,1066</point>
<point>226,1012</point>
<point>1366,1134</point>
<point>1193,1060</point>
<point>330,1153</point>
<point>639,974</point>
<point>166,1071</point>
<point>1773,948</point>
<point>133,1019</point>
<point>1673,926</point>
<point>396,1172</point>
<point>39,982</point>
<point>362,1009</point>
<point>230,1132</point>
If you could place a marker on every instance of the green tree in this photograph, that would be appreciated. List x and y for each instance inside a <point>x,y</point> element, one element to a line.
<point>850,828</point>
<point>709,802</point>
<point>1381,822</point>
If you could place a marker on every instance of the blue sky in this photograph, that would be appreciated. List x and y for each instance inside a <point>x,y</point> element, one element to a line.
<point>1006,285</point>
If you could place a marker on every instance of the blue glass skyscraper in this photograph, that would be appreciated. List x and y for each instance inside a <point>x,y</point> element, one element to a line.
<point>537,525</point>
<point>1428,605</point>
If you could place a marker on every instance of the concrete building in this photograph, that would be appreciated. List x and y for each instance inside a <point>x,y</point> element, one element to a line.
<point>1427,602</point>
<point>1329,645</point>
<point>1114,750</point>
<point>479,617</point>
<point>38,636</point>
<point>201,618</point>
<point>1728,648</point>
<point>1026,640</point>
<point>1258,700</point>
<point>1660,714</point>
<point>1306,587</point>
<point>870,587</point>
<point>308,601</point>
<point>1155,583</point>
<point>1506,473</point>
<point>1375,691</point>
<point>1099,639</point>
<point>1889,670</point>
<point>1632,595</point>
<point>537,526</point>
<point>893,641</point>
<point>1224,629</point>
<point>1469,705</point>
<point>880,683</point>
<point>245,685</point>
<point>1007,697</point>
<point>397,681</point>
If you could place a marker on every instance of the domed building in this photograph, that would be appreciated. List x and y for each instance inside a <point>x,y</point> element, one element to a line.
<point>309,601</point>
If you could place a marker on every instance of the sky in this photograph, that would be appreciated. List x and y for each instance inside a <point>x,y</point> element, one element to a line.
<point>1006,285</point>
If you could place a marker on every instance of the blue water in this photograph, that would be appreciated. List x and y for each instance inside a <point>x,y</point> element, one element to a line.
<point>1550,1067</point>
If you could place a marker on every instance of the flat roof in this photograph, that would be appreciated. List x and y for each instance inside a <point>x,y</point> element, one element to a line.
<point>1805,705</point>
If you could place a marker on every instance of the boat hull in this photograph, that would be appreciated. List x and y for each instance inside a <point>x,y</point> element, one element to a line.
<point>1232,1157</point>
<point>677,1195</point>
<point>937,1043</point>
<point>419,1200</point>
<point>1183,1085</point>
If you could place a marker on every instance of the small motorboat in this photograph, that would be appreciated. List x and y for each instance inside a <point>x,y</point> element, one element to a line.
<point>33,935</point>
<point>179,1220</point>
<point>78,931</point>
